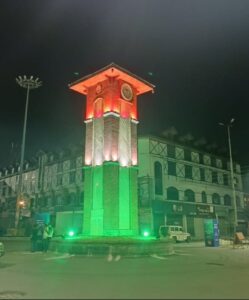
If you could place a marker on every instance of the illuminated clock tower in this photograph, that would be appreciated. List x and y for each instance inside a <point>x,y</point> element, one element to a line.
<point>110,186</point>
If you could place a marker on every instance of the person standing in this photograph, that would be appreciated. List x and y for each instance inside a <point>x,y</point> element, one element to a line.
<point>47,236</point>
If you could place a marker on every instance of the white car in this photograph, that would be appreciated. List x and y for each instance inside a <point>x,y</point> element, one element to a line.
<point>1,249</point>
<point>174,233</point>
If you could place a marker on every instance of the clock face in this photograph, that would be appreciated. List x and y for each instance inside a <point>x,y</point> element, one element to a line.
<point>126,92</point>
<point>98,88</point>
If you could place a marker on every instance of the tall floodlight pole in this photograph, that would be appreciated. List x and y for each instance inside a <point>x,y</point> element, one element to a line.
<point>229,125</point>
<point>28,84</point>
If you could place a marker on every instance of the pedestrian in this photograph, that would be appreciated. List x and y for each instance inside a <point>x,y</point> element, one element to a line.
<point>34,238</point>
<point>47,236</point>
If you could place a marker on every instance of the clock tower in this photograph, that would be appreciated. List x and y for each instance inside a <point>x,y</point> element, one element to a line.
<point>110,186</point>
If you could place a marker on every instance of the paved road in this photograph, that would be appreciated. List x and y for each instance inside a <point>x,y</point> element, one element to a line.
<point>191,273</point>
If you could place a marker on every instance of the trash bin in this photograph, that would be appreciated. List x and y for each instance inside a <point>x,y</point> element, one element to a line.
<point>211,231</point>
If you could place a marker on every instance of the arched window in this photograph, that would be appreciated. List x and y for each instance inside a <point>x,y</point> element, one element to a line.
<point>216,198</point>
<point>189,196</point>
<point>158,178</point>
<point>203,197</point>
<point>172,193</point>
<point>227,200</point>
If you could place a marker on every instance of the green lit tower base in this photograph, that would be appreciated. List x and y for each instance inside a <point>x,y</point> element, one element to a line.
<point>110,187</point>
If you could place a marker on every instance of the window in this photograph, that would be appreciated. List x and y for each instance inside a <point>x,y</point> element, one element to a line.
<point>238,201</point>
<point>224,164</point>
<point>172,193</point>
<point>225,179</point>
<point>60,167</point>
<point>171,168</point>
<point>59,180</point>
<point>72,176</point>
<point>214,177</point>
<point>201,158</point>
<point>189,196</point>
<point>188,172</point>
<point>213,162</point>
<point>227,200</point>
<point>202,174</point>
<point>216,198</point>
<point>72,164</point>
<point>203,197</point>
<point>158,178</point>
<point>171,151</point>
<point>187,154</point>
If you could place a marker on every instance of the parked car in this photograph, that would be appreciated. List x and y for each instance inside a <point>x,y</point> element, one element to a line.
<point>174,233</point>
<point>1,249</point>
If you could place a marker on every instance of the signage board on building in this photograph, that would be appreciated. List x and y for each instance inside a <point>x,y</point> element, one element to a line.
<point>204,210</point>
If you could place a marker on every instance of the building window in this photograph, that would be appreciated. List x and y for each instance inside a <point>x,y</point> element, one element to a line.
<point>201,158</point>
<point>227,200</point>
<point>171,168</point>
<point>171,151</point>
<point>72,164</point>
<point>188,172</point>
<point>213,162</point>
<point>214,177</point>
<point>187,155</point>
<point>216,198</point>
<point>189,196</point>
<point>202,174</point>
<point>203,197</point>
<point>238,201</point>
<point>72,176</point>
<point>60,167</point>
<point>225,179</point>
<point>59,180</point>
<point>224,164</point>
<point>172,193</point>
<point>158,178</point>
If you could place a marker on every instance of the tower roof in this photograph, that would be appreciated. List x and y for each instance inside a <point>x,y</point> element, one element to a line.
<point>112,70</point>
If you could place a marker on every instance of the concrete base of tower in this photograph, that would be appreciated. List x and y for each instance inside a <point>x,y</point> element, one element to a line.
<point>110,201</point>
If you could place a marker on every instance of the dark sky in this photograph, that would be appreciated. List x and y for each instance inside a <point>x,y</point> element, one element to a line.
<point>195,52</point>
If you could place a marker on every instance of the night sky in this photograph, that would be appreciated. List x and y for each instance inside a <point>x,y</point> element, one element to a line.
<point>195,52</point>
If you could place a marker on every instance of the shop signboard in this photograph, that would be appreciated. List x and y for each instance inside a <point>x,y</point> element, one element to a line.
<point>205,210</point>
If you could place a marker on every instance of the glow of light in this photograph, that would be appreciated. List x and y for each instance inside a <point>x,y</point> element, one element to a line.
<point>134,161</point>
<point>114,157</point>
<point>123,162</point>
<point>88,161</point>
<point>107,157</point>
<point>71,233</point>
<point>146,233</point>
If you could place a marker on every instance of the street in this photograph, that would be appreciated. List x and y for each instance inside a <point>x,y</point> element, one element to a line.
<point>191,272</point>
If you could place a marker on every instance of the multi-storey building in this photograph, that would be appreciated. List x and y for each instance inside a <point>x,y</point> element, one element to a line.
<point>177,185</point>
<point>53,184</point>
<point>181,185</point>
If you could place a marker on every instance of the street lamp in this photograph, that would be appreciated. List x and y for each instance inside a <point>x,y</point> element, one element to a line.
<point>229,125</point>
<point>29,84</point>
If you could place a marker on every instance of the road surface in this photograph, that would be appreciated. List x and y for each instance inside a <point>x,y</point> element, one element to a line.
<point>189,273</point>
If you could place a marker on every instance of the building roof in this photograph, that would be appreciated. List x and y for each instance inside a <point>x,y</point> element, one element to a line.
<point>112,70</point>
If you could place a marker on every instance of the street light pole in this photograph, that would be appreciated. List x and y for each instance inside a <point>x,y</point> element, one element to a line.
<point>229,125</point>
<point>29,84</point>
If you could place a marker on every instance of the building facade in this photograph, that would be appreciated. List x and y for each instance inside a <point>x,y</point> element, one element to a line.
<point>183,186</point>
<point>176,185</point>
<point>54,183</point>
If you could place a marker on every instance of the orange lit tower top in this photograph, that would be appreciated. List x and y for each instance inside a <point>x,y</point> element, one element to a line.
<point>112,83</point>
<point>110,188</point>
